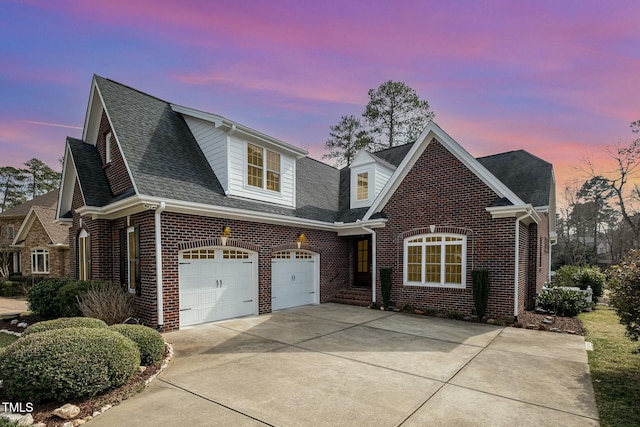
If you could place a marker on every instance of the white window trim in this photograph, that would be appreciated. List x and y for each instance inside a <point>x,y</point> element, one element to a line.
<point>366,174</point>
<point>35,266</point>
<point>107,146</point>
<point>264,170</point>
<point>442,283</point>
<point>371,184</point>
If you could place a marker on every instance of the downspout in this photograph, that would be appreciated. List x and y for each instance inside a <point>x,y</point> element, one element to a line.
<point>373,262</point>
<point>516,275</point>
<point>551,245</point>
<point>159,301</point>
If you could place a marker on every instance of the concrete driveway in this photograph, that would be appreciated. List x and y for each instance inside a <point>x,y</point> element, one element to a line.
<point>337,365</point>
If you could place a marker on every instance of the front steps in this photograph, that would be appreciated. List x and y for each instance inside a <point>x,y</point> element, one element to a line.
<point>353,296</point>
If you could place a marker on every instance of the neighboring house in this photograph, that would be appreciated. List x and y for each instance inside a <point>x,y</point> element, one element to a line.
<point>32,241</point>
<point>206,219</point>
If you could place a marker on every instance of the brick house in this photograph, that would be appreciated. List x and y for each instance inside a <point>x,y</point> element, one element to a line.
<point>33,243</point>
<point>205,219</point>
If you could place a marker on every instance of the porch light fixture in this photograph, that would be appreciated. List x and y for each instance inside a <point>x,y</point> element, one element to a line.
<point>301,239</point>
<point>226,232</point>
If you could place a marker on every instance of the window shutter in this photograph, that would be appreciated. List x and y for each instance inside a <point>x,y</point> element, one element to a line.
<point>137,260</point>
<point>123,258</point>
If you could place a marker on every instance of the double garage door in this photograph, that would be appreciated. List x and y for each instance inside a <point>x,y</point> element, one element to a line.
<point>221,283</point>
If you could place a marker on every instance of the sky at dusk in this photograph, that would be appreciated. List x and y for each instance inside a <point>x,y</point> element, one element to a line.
<point>560,79</point>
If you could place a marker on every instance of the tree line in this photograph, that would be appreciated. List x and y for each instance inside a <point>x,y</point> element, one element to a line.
<point>394,115</point>
<point>600,221</point>
<point>17,185</point>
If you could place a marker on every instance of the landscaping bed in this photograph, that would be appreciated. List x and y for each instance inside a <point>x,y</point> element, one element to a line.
<point>533,320</point>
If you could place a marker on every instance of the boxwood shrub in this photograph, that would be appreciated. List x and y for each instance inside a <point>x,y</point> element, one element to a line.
<point>41,298</point>
<point>561,301</point>
<point>67,296</point>
<point>63,323</point>
<point>149,342</point>
<point>66,364</point>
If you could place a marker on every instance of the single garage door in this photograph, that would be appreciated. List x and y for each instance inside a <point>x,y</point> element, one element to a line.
<point>215,284</point>
<point>294,279</point>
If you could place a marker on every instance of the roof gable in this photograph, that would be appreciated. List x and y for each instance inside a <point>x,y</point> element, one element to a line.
<point>433,131</point>
<point>58,234</point>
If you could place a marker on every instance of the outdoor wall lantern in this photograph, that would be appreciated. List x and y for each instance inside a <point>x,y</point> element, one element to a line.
<point>226,232</point>
<point>301,239</point>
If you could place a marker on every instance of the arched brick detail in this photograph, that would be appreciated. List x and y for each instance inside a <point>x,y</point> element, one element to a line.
<point>217,241</point>
<point>294,246</point>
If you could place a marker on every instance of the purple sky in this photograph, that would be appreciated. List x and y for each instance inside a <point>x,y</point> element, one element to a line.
<point>560,79</point>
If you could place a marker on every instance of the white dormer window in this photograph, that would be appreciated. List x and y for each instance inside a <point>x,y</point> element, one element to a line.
<point>107,147</point>
<point>363,186</point>
<point>263,174</point>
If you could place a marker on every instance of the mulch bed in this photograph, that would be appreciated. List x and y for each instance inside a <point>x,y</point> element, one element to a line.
<point>533,320</point>
<point>43,411</point>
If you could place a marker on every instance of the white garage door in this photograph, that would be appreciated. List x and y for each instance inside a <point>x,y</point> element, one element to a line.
<point>294,279</point>
<point>215,284</point>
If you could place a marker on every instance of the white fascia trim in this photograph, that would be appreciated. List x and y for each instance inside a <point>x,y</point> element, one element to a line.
<point>85,128</point>
<point>136,204</point>
<point>542,209</point>
<point>25,226</point>
<point>514,212</point>
<point>221,121</point>
<point>355,228</point>
<point>117,141</point>
<point>432,130</point>
<point>68,157</point>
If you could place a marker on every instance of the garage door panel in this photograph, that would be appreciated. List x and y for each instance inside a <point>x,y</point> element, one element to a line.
<point>293,280</point>
<point>220,286</point>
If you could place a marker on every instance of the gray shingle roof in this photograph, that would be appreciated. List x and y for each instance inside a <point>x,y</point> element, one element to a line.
<point>525,174</point>
<point>93,180</point>
<point>166,161</point>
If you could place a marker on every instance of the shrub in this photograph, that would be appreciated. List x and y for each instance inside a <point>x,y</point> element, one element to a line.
<point>561,301</point>
<point>149,341</point>
<point>624,282</point>
<point>67,364</point>
<point>9,288</point>
<point>107,302</point>
<point>67,297</point>
<point>63,323</point>
<point>385,285</point>
<point>480,279</point>
<point>581,277</point>
<point>42,298</point>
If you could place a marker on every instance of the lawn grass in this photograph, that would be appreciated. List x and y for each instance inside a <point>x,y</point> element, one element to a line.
<point>615,371</point>
<point>6,339</point>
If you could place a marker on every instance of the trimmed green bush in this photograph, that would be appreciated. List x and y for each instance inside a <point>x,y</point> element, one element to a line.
<point>581,277</point>
<point>149,341</point>
<point>624,282</point>
<point>41,298</point>
<point>561,301</point>
<point>385,285</point>
<point>9,288</point>
<point>480,285</point>
<point>67,296</point>
<point>63,323</point>
<point>67,364</point>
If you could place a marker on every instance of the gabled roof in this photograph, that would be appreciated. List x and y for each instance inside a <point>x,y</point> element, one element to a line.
<point>58,234</point>
<point>93,181</point>
<point>528,176</point>
<point>47,200</point>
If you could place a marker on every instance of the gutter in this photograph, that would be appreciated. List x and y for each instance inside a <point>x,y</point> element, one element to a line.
<point>516,274</point>
<point>159,301</point>
<point>373,261</point>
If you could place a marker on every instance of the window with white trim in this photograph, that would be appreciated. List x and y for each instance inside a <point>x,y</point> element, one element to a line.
<point>363,186</point>
<point>108,147</point>
<point>133,257</point>
<point>40,261</point>
<point>435,260</point>
<point>263,168</point>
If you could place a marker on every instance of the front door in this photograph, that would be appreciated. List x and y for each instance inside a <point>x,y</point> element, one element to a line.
<point>362,251</point>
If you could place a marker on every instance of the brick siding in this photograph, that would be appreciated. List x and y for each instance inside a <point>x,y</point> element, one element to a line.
<point>116,170</point>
